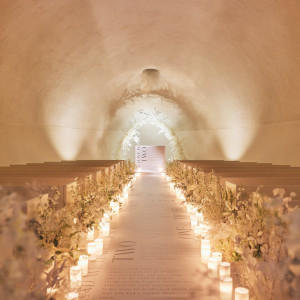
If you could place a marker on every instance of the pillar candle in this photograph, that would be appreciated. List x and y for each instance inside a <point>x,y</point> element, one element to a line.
<point>226,288</point>
<point>218,255</point>
<point>212,265</point>
<point>224,269</point>
<point>75,277</point>
<point>241,293</point>
<point>83,262</point>
<point>205,250</point>
<point>99,247</point>
<point>72,296</point>
<point>105,229</point>
<point>92,251</point>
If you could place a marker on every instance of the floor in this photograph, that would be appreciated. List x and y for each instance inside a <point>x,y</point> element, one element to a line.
<point>151,252</point>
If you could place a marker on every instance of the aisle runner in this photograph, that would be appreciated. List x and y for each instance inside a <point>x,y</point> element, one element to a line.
<point>151,252</point>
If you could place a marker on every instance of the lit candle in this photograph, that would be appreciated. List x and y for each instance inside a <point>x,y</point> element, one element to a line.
<point>205,250</point>
<point>125,195</point>
<point>122,200</point>
<point>75,277</point>
<point>218,255</point>
<point>105,229</point>
<point>106,217</point>
<point>226,288</point>
<point>197,230</point>
<point>83,262</point>
<point>90,234</point>
<point>199,216</point>
<point>212,265</point>
<point>72,296</point>
<point>114,206</point>
<point>99,247</point>
<point>194,222</point>
<point>224,269</point>
<point>92,251</point>
<point>182,197</point>
<point>193,210</point>
<point>241,293</point>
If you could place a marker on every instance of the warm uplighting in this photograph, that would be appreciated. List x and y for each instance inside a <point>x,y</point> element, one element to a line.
<point>83,262</point>
<point>75,277</point>
<point>99,247</point>
<point>205,250</point>
<point>226,288</point>
<point>105,229</point>
<point>241,293</point>
<point>212,265</point>
<point>224,269</point>
<point>92,251</point>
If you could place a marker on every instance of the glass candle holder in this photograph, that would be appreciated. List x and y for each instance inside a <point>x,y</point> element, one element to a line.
<point>75,277</point>
<point>194,222</point>
<point>92,251</point>
<point>99,247</point>
<point>205,250</point>
<point>226,288</point>
<point>72,296</point>
<point>105,229</point>
<point>241,293</point>
<point>197,230</point>
<point>224,269</point>
<point>83,262</point>
<point>212,264</point>
<point>218,255</point>
<point>91,234</point>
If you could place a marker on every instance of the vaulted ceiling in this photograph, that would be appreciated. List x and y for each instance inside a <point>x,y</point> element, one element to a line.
<point>76,76</point>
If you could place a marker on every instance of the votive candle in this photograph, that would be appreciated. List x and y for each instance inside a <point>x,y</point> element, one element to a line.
<point>99,247</point>
<point>83,262</point>
<point>241,293</point>
<point>226,288</point>
<point>92,251</point>
<point>224,269</point>
<point>75,277</point>
<point>105,229</point>
<point>212,265</point>
<point>218,255</point>
<point>72,296</point>
<point>205,250</point>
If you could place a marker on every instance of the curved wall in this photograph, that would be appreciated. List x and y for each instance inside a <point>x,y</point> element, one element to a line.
<point>68,67</point>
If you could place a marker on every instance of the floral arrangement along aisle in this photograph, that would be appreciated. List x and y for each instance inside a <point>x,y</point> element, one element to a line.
<point>37,255</point>
<point>250,230</point>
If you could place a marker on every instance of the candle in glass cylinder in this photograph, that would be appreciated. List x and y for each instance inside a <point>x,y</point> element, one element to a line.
<point>83,262</point>
<point>194,222</point>
<point>105,229</point>
<point>92,251</point>
<point>241,293</point>
<point>75,277</point>
<point>90,234</point>
<point>224,269</point>
<point>205,250</point>
<point>226,288</point>
<point>72,296</point>
<point>99,247</point>
<point>197,230</point>
<point>212,265</point>
<point>218,255</point>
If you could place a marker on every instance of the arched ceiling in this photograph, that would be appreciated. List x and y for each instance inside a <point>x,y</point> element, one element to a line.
<point>74,64</point>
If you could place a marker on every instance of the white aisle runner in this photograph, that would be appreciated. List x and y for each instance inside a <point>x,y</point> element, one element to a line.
<point>151,252</point>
